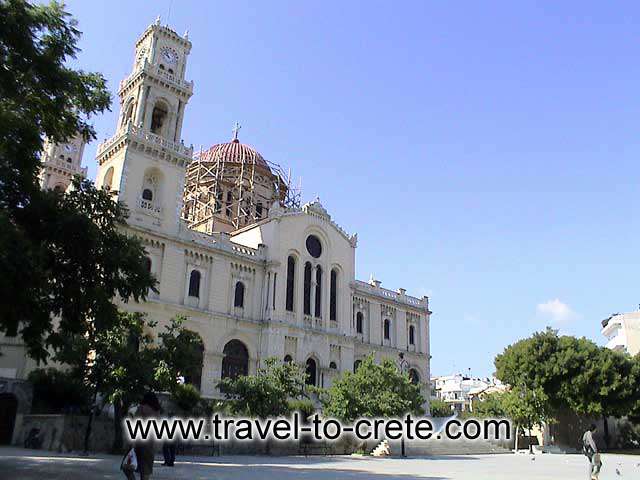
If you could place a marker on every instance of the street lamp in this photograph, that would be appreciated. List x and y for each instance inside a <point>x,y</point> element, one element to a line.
<point>403,367</point>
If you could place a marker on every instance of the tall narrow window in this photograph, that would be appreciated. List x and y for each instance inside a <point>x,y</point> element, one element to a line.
<point>108,179</point>
<point>158,118</point>
<point>333,296</point>
<point>238,298</point>
<point>147,264</point>
<point>273,299</point>
<point>310,371</point>
<point>356,364</point>
<point>194,284</point>
<point>291,278</point>
<point>359,322</point>
<point>318,305</point>
<point>412,335</point>
<point>219,202</point>
<point>307,288</point>
<point>259,210</point>
<point>387,329</point>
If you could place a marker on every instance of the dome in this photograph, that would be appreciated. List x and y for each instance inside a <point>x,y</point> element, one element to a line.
<point>235,152</point>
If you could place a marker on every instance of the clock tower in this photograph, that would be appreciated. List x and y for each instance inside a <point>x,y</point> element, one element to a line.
<point>61,162</point>
<point>144,163</point>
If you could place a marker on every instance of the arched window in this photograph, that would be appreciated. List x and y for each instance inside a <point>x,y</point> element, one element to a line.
<point>359,321</point>
<point>147,264</point>
<point>387,329</point>
<point>161,66</point>
<point>235,361</point>
<point>69,160</point>
<point>107,180</point>
<point>310,372</point>
<point>170,71</point>
<point>194,284</point>
<point>147,194</point>
<point>356,364</point>
<point>307,288</point>
<point>412,335</point>
<point>333,366</point>
<point>333,296</point>
<point>128,116</point>
<point>159,118</point>
<point>414,376</point>
<point>238,297</point>
<point>291,277</point>
<point>288,359</point>
<point>318,308</point>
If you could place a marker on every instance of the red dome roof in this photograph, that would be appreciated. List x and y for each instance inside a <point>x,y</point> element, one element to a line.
<point>234,152</point>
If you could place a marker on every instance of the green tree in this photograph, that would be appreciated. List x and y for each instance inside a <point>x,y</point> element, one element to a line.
<point>183,349</point>
<point>57,391</point>
<point>374,390</point>
<point>526,408</point>
<point>491,406</point>
<point>62,256</point>
<point>439,408</point>
<point>268,392</point>
<point>124,361</point>
<point>574,374</point>
<point>187,398</point>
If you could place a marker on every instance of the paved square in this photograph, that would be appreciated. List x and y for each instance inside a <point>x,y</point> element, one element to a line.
<point>19,464</point>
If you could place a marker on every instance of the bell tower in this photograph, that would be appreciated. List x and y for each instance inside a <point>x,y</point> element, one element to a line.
<point>144,163</point>
<point>60,162</point>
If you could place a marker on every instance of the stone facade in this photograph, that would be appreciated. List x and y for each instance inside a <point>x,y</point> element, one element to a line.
<point>283,286</point>
<point>61,162</point>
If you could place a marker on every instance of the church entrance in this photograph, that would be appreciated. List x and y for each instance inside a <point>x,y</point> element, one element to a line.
<point>8,410</point>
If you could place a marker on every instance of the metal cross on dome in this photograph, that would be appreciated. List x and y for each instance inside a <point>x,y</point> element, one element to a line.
<point>235,130</point>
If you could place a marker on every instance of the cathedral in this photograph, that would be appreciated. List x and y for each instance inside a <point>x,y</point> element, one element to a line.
<point>256,273</point>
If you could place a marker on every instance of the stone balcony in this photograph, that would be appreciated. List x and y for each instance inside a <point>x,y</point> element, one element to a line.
<point>400,296</point>
<point>144,136</point>
<point>154,70</point>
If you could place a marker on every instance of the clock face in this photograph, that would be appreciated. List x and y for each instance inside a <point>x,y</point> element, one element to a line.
<point>170,56</point>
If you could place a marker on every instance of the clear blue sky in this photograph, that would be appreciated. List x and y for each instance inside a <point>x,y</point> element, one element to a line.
<point>486,154</point>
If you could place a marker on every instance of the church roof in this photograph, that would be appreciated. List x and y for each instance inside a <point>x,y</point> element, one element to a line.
<point>235,152</point>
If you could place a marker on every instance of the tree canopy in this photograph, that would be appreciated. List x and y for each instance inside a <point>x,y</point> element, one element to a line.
<point>268,392</point>
<point>571,373</point>
<point>373,390</point>
<point>63,257</point>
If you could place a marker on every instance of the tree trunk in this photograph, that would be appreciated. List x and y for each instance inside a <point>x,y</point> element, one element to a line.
<point>530,442</point>
<point>517,430</point>
<point>605,421</point>
<point>87,433</point>
<point>118,413</point>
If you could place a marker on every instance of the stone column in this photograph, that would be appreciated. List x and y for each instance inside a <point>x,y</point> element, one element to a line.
<point>401,332</point>
<point>211,373</point>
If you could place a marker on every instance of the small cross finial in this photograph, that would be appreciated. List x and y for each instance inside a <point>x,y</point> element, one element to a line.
<point>236,129</point>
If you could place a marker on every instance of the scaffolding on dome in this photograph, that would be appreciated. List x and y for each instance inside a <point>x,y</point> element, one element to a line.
<point>225,195</point>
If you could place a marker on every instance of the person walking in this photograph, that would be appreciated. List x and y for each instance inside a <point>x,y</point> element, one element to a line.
<point>590,449</point>
<point>169,448</point>
<point>145,452</point>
